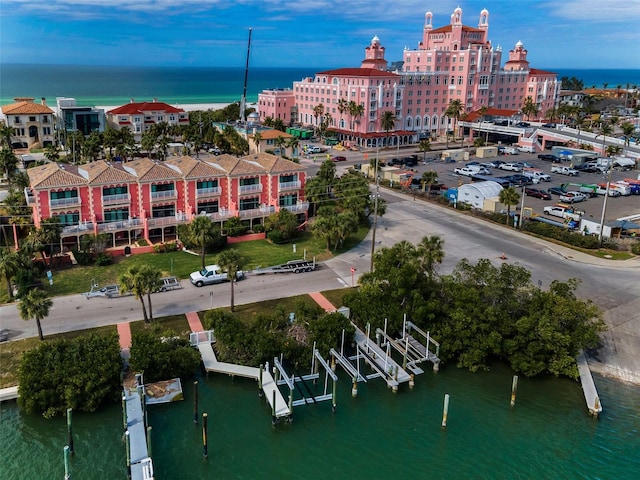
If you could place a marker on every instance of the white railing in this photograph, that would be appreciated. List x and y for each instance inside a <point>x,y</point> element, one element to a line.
<point>119,225</point>
<point>255,188</point>
<point>81,227</point>
<point>300,207</point>
<point>295,185</point>
<point>118,198</point>
<point>163,194</point>
<point>209,191</point>
<point>221,214</point>
<point>164,221</point>
<point>258,212</point>
<point>64,202</point>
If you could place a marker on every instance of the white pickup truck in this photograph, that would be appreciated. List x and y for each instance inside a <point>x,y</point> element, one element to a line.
<point>562,212</point>
<point>564,170</point>
<point>211,274</point>
<point>536,175</point>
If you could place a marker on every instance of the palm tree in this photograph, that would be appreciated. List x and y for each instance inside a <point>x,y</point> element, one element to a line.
<point>9,266</point>
<point>605,129</point>
<point>483,112</point>
<point>388,123</point>
<point>529,108</point>
<point>318,111</point>
<point>293,144</point>
<point>257,138</point>
<point>430,252</point>
<point>280,142</point>
<point>35,304</point>
<point>231,261</point>
<point>343,106</point>
<point>6,132</point>
<point>140,281</point>
<point>8,163</point>
<point>427,179</point>
<point>508,197</point>
<point>424,146</point>
<point>202,232</point>
<point>627,130</point>
<point>454,111</point>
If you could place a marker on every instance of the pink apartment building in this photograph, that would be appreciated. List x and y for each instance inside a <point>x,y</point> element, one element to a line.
<point>452,62</point>
<point>149,199</point>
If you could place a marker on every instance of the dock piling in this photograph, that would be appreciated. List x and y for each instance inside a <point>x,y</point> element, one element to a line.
<point>260,380</point>
<point>445,410</point>
<point>149,440</point>
<point>205,447</point>
<point>354,388</point>
<point>412,381</point>
<point>195,402</point>
<point>69,430</point>
<point>274,419</point>
<point>514,387</point>
<point>128,445</point>
<point>67,471</point>
<point>333,398</point>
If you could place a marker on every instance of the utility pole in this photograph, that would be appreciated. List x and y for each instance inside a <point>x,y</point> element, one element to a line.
<point>604,205</point>
<point>375,209</point>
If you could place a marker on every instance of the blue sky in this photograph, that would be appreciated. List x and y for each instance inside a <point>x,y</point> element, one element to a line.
<point>322,33</point>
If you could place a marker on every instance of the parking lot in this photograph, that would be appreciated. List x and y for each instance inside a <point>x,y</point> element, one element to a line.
<point>616,206</point>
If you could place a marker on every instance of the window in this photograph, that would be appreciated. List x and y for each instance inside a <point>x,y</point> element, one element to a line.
<point>46,130</point>
<point>64,194</point>
<point>162,187</point>
<point>208,207</point>
<point>207,184</point>
<point>288,200</point>
<point>32,119</point>
<point>244,182</point>
<point>161,211</point>
<point>69,218</point>
<point>122,190</point>
<point>116,215</point>
<point>288,178</point>
<point>249,203</point>
<point>16,120</point>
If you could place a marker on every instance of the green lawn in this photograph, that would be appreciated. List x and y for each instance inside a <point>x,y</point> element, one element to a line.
<point>257,253</point>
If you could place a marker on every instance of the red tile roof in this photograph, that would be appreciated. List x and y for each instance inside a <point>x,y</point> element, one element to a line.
<point>142,107</point>
<point>25,106</point>
<point>449,28</point>
<point>535,71</point>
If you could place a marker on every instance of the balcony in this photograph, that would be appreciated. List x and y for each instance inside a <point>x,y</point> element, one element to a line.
<point>299,207</point>
<point>120,225</point>
<point>116,199</point>
<point>82,227</point>
<point>167,221</point>
<point>29,197</point>
<point>208,191</point>
<point>222,214</point>
<point>284,186</point>
<point>163,195</point>
<point>64,202</point>
<point>257,212</point>
<point>255,188</point>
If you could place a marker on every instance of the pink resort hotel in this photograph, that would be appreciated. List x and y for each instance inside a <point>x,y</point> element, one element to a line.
<point>452,62</point>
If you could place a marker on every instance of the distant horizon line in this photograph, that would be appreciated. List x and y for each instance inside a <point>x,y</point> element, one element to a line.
<point>256,67</point>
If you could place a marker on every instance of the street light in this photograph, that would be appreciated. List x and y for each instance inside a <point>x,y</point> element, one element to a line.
<point>521,209</point>
<point>604,205</point>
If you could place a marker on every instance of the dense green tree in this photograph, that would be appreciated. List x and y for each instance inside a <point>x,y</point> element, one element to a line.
<point>530,108</point>
<point>52,153</point>
<point>326,332</point>
<point>163,359</point>
<point>6,132</point>
<point>231,261</point>
<point>82,373</point>
<point>281,226</point>
<point>46,239</point>
<point>8,163</point>
<point>10,263</point>
<point>35,304</point>
<point>427,179</point>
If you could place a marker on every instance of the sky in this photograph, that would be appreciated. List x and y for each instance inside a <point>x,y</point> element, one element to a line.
<point>300,33</point>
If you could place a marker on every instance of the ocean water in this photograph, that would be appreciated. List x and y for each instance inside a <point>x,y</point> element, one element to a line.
<point>96,85</point>
<point>378,435</point>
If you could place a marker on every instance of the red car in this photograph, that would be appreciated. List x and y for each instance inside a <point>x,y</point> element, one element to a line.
<point>338,159</point>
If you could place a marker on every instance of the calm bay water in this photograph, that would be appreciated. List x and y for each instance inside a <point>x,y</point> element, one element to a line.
<point>378,435</point>
<point>96,85</point>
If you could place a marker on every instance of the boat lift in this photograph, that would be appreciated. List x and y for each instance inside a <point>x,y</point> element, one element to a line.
<point>292,381</point>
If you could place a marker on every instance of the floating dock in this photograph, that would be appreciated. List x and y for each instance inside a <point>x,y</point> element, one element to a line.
<point>138,460</point>
<point>588,385</point>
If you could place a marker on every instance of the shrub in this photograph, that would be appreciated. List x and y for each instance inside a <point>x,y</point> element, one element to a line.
<point>276,237</point>
<point>83,258</point>
<point>162,359</point>
<point>103,260</point>
<point>635,248</point>
<point>259,228</point>
<point>142,242</point>
<point>82,373</point>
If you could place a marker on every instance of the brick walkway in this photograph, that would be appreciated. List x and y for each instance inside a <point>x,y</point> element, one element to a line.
<point>194,322</point>
<point>323,302</point>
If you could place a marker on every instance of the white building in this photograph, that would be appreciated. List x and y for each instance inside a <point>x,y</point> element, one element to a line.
<point>474,194</point>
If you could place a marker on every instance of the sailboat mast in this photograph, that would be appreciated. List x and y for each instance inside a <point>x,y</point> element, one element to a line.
<point>243,102</point>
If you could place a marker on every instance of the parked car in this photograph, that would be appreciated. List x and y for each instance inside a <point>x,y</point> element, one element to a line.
<point>314,149</point>
<point>466,171</point>
<point>523,124</point>
<point>512,167</point>
<point>496,163</point>
<point>520,180</point>
<point>211,274</point>
<point>338,158</point>
<point>537,193</point>
<point>549,125</point>
<point>548,157</point>
<point>560,190</point>
<point>573,197</point>
<point>600,190</point>
<point>510,151</point>
<point>564,170</point>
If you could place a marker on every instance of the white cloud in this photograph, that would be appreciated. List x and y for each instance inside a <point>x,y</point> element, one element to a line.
<point>597,11</point>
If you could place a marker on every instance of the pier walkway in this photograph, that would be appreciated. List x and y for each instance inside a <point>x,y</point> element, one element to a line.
<point>138,452</point>
<point>588,386</point>
<point>9,393</point>
<point>203,340</point>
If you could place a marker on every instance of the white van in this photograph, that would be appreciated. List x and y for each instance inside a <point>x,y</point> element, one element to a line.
<point>510,151</point>
<point>527,148</point>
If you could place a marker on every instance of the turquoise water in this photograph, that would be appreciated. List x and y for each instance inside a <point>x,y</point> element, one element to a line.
<point>97,85</point>
<point>376,435</point>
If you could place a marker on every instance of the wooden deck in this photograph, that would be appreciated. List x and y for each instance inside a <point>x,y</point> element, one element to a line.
<point>138,451</point>
<point>588,386</point>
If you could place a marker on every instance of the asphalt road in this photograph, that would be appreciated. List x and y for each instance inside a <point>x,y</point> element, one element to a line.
<point>614,286</point>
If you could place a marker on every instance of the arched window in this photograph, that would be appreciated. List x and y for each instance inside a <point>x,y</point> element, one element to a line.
<point>409,123</point>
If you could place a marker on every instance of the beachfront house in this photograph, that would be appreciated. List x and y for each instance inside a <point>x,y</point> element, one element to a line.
<point>148,199</point>
<point>140,116</point>
<point>32,123</point>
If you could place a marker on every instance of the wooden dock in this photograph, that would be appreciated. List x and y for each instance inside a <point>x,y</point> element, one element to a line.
<point>139,460</point>
<point>588,385</point>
